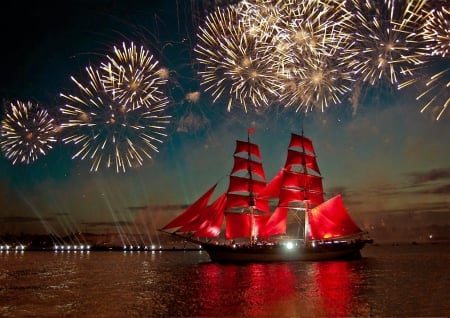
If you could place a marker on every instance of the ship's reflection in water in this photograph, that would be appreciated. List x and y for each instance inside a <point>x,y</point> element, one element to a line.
<point>300,289</point>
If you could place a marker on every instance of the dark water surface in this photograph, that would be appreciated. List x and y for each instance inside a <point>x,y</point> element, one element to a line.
<point>394,281</point>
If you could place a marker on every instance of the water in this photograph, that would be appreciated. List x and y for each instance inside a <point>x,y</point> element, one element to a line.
<point>404,280</point>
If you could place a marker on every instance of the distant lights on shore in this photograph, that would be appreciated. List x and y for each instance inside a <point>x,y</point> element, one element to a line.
<point>7,248</point>
<point>61,248</point>
<point>141,248</point>
<point>87,248</point>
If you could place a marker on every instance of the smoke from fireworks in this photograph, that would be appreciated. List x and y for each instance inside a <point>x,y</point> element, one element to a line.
<point>27,132</point>
<point>113,126</point>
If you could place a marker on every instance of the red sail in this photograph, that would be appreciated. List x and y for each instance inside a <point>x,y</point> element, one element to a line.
<point>303,181</point>
<point>239,184</point>
<point>302,142</point>
<point>215,215</point>
<point>191,213</point>
<point>243,146</point>
<point>241,164</point>
<point>276,223</point>
<point>296,158</point>
<point>262,205</point>
<point>236,201</point>
<point>239,225</point>
<point>272,189</point>
<point>315,198</point>
<point>289,196</point>
<point>331,219</point>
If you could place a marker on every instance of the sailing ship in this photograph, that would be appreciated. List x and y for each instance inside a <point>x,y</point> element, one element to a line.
<point>285,219</point>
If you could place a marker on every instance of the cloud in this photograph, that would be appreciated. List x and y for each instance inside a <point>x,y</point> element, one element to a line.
<point>430,175</point>
<point>428,207</point>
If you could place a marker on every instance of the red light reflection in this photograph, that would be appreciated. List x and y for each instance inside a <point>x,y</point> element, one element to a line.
<point>245,290</point>
<point>336,287</point>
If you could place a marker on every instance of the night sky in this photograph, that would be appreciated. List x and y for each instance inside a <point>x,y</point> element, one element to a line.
<point>387,159</point>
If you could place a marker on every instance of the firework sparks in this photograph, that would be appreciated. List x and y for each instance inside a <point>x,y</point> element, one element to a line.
<point>319,83</point>
<point>436,31</point>
<point>133,77</point>
<point>114,129</point>
<point>234,62</point>
<point>434,80</point>
<point>307,39</point>
<point>27,132</point>
<point>387,46</point>
<point>436,93</point>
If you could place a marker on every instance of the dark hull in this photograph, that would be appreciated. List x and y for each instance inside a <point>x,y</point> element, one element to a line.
<point>281,253</point>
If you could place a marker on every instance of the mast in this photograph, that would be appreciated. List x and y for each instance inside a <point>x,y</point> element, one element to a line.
<point>251,199</point>
<point>245,213</point>
<point>306,200</point>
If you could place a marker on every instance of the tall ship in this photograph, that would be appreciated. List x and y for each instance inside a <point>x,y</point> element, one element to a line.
<point>284,219</point>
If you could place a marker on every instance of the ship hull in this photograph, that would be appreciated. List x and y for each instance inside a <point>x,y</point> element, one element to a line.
<point>283,253</point>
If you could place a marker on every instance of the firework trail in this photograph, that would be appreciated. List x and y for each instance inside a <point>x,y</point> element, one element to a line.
<point>111,126</point>
<point>27,132</point>
<point>233,62</point>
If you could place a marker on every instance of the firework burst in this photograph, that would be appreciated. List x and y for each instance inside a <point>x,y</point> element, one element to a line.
<point>436,32</point>
<point>112,129</point>
<point>27,132</point>
<point>319,83</point>
<point>235,63</point>
<point>433,85</point>
<point>437,93</point>
<point>134,77</point>
<point>308,40</point>
<point>433,81</point>
<point>387,46</point>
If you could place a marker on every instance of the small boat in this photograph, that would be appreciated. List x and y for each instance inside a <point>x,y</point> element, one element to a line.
<point>285,219</point>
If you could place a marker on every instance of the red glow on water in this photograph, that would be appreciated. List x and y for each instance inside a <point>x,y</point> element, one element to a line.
<point>238,290</point>
<point>336,286</point>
